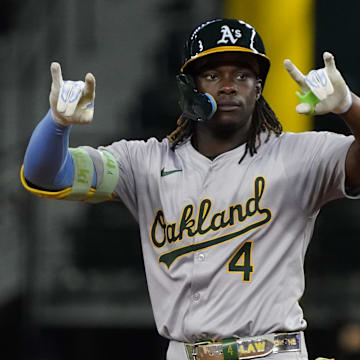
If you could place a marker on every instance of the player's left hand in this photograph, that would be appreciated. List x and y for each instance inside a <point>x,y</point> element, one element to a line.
<point>330,90</point>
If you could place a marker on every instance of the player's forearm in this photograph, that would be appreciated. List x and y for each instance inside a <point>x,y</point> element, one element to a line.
<point>352,117</point>
<point>352,165</point>
<point>47,162</point>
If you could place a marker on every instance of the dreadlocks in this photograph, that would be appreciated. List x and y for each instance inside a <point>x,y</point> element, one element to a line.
<point>264,119</point>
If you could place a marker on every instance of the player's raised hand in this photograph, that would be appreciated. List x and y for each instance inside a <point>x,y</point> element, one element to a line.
<point>71,102</point>
<point>324,90</point>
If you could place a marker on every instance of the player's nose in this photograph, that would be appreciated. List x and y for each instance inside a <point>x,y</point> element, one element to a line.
<point>227,86</point>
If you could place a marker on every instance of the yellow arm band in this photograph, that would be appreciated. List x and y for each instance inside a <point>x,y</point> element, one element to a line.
<point>61,194</point>
<point>83,174</point>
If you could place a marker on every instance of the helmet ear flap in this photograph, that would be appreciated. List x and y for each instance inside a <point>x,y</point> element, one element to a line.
<point>194,105</point>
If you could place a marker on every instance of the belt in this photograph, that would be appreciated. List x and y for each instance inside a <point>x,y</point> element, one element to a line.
<point>244,348</point>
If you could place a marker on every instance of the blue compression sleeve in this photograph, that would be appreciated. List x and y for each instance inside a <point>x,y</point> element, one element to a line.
<point>48,163</point>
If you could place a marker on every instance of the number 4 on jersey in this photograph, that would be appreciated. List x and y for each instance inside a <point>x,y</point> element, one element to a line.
<point>241,261</point>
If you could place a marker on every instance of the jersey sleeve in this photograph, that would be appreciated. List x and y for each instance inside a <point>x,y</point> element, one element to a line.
<point>315,166</point>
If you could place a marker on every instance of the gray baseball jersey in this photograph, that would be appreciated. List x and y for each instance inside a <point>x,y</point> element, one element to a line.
<point>223,242</point>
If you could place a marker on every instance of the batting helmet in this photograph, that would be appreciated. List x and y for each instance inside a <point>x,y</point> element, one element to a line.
<point>225,35</point>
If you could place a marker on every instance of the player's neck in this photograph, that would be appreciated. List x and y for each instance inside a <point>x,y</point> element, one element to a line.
<point>211,143</point>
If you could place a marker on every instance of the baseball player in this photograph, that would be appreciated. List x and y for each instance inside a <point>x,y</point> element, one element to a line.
<point>226,204</point>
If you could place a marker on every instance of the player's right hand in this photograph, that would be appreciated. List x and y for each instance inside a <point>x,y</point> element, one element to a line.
<point>71,102</point>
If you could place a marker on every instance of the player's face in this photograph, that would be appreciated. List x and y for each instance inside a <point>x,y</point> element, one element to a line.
<point>231,78</point>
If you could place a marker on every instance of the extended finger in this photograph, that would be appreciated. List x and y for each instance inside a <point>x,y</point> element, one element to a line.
<point>295,73</point>
<point>329,62</point>
<point>56,74</point>
<point>90,84</point>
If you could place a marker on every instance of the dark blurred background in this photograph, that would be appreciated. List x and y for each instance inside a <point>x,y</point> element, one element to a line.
<point>68,288</point>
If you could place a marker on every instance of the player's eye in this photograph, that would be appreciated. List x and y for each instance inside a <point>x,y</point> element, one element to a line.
<point>210,76</point>
<point>242,76</point>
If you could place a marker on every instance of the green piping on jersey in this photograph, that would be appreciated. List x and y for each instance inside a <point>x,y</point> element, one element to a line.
<point>109,180</point>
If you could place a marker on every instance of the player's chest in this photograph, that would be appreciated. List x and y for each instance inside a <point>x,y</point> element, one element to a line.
<point>216,190</point>
<point>206,206</point>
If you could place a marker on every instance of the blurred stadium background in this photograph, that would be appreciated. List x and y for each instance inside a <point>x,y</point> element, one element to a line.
<point>68,290</point>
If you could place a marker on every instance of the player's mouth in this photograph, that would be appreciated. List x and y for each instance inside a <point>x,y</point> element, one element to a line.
<point>228,105</point>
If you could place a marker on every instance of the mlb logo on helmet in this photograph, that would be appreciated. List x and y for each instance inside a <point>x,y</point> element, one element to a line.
<point>224,35</point>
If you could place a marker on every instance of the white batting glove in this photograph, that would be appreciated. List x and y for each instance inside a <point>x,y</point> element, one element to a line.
<point>324,90</point>
<point>71,102</point>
